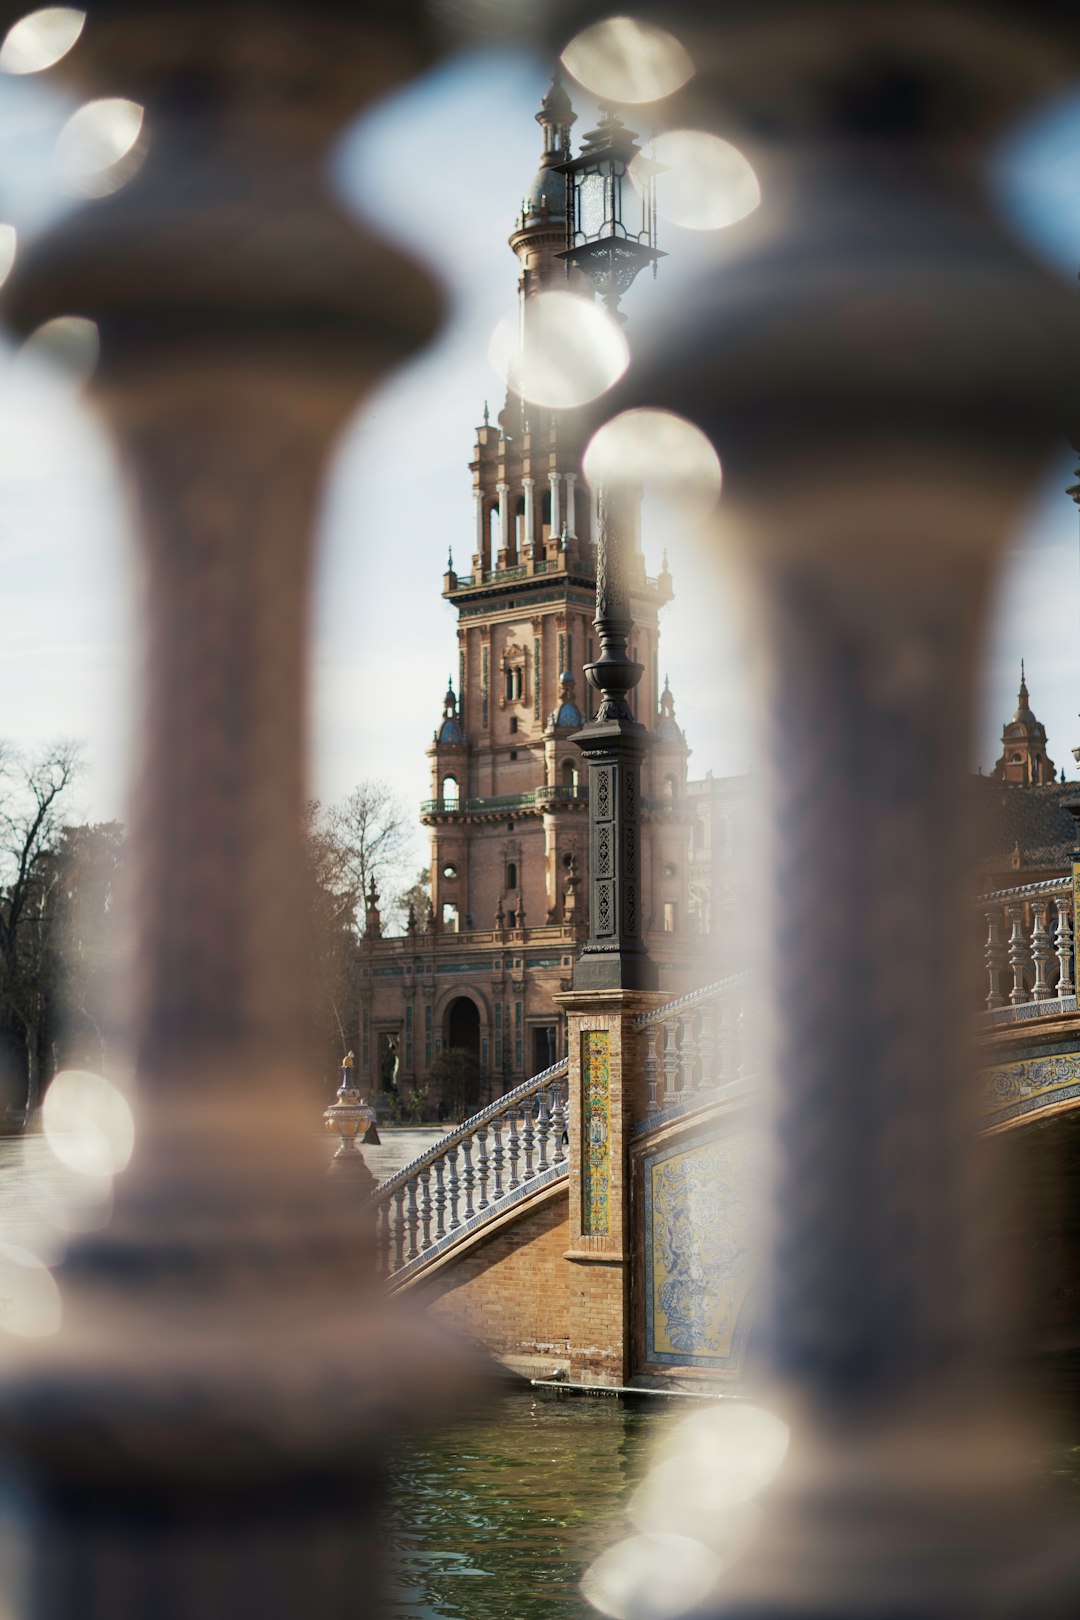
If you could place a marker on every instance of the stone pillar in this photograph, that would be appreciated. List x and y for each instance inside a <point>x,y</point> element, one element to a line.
<point>480,558</point>
<point>556,517</point>
<point>614,746</point>
<point>505,548</point>
<point>607,1097</point>
<point>163,1452</point>
<point>528,538</point>
<point>570,514</point>
<point>868,551</point>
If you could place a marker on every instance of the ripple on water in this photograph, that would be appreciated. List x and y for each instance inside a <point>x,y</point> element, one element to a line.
<point>498,1518</point>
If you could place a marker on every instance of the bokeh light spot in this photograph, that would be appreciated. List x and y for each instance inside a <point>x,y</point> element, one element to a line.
<point>88,1123</point>
<point>734,1449</point>
<point>70,344</point>
<point>658,450</point>
<point>99,148</point>
<point>626,60</point>
<point>651,1577</point>
<point>704,183</point>
<point>29,1297</point>
<point>571,353</point>
<point>7,251</point>
<point>38,40</point>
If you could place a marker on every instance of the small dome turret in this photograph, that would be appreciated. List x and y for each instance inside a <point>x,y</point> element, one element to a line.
<point>568,714</point>
<point>450,731</point>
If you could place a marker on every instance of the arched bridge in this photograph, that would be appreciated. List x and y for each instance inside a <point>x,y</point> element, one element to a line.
<point>487,1224</point>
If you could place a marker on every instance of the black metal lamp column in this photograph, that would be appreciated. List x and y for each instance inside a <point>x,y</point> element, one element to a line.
<point>614,956</point>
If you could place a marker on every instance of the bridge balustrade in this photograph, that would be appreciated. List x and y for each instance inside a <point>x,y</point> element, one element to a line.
<point>502,1154</point>
<point>1028,952</point>
<point>692,1051</point>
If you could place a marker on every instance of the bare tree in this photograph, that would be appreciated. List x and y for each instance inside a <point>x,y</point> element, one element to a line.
<point>32,795</point>
<point>374,836</point>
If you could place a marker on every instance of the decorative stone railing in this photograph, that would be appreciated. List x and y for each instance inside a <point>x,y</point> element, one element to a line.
<point>501,802</point>
<point>697,1050</point>
<point>1029,951</point>
<point>499,1156</point>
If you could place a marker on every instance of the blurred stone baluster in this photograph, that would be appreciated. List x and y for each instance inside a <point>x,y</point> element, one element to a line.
<point>882,372</point>
<point>200,1437</point>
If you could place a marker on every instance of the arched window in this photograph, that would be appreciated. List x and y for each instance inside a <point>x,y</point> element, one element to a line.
<point>517,683</point>
<point>450,791</point>
<point>508,684</point>
<point>1016,759</point>
<point>511,874</point>
<point>569,773</point>
<point>519,524</point>
<point>493,532</point>
<point>670,787</point>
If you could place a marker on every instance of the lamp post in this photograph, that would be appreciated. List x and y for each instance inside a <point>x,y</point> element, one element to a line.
<point>610,219</point>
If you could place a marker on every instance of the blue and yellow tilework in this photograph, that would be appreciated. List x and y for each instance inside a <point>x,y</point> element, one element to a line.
<point>595,1132</point>
<point>700,1251</point>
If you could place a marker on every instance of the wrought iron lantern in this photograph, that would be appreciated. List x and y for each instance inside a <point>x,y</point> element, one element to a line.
<point>610,217</point>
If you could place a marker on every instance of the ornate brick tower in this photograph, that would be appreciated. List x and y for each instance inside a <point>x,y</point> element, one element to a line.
<point>1023,742</point>
<point>507,804</point>
<point>508,812</point>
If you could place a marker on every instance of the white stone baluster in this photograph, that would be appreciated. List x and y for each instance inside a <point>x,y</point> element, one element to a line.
<point>727,1066</point>
<point>996,957</point>
<point>543,1128</point>
<point>1019,955</point>
<point>425,1207</point>
<point>482,1166</point>
<point>413,1219</point>
<point>1042,953</point>
<point>399,1227</point>
<point>514,1147</point>
<point>528,1138</point>
<point>671,1064</point>
<point>453,1187</point>
<point>652,1069</point>
<point>498,1157</point>
<point>562,1110</point>
<point>687,1055</point>
<point>1064,946</point>
<point>706,1048</point>
<point>382,1240</point>
<point>469,1177</point>
<point>440,1198</point>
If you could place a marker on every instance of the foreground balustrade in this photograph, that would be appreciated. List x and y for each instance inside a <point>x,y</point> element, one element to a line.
<point>1028,952</point>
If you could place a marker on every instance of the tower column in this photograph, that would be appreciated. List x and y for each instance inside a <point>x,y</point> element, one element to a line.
<point>556,520</point>
<point>528,538</point>
<point>504,524</point>
<point>478,506</point>
<point>571,480</point>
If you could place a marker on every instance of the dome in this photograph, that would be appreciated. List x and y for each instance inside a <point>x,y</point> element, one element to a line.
<point>568,715</point>
<point>546,197</point>
<point>450,731</point>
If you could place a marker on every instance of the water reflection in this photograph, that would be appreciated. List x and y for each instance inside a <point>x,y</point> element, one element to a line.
<point>501,1516</point>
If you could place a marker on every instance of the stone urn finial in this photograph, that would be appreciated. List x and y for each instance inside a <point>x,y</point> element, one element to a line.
<point>348,1118</point>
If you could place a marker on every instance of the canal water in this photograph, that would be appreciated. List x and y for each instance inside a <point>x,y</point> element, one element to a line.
<point>497,1518</point>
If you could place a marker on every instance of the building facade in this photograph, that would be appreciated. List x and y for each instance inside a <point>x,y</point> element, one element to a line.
<point>508,812</point>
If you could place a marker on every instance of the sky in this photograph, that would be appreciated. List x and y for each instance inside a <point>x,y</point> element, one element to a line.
<point>441,169</point>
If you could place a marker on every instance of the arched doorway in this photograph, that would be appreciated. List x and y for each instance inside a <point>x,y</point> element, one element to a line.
<point>458,1070</point>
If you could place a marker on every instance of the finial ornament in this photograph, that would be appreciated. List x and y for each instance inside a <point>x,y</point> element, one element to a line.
<point>487,415</point>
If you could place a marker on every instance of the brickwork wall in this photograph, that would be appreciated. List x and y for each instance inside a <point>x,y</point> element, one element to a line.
<point>511,1292</point>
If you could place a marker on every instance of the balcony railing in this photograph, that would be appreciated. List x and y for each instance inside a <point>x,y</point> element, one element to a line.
<point>1029,951</point>
<point>505,801</point>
